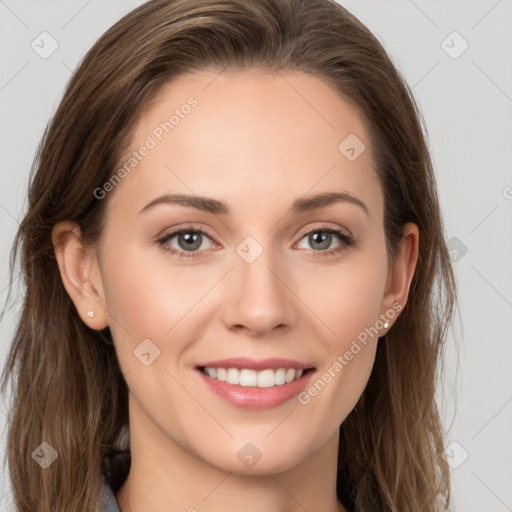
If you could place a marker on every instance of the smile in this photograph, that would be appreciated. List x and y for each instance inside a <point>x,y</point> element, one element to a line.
<point>255,384</point>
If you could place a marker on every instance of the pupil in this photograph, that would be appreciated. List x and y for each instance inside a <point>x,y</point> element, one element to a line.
<point>323,237</point>
<point>191,241</point>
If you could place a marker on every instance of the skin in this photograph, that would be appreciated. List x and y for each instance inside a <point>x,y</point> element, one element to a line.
<point>256,142</point>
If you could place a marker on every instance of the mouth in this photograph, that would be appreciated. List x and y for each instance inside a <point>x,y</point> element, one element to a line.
<point>255,384</point>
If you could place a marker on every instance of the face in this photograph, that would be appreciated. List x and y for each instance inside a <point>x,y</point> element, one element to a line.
<point>259,273</point>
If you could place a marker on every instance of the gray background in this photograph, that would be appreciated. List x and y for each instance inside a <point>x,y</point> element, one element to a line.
<point>466,99</point>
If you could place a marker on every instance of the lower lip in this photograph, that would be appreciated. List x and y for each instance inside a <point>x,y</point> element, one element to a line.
<point>253,397</point>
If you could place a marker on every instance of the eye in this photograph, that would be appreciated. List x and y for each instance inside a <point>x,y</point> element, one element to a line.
<point>190,242</point>
<point>321,238</point>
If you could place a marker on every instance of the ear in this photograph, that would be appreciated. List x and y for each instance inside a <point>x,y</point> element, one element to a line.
<point>79,271</point>
<point>401,271</point>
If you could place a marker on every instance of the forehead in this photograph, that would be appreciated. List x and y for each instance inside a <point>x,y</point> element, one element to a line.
<point>239,135</point>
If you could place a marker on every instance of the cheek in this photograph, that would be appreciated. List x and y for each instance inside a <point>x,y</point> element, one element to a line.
<point>346,300</point>
<point>359,304</point>
<point>152,299</point>
<point>350,307</point>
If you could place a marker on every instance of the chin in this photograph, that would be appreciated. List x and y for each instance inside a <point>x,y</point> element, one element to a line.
<point>258,458</point>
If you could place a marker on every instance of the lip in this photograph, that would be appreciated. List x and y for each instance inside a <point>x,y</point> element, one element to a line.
<point>270,363</point>
<point>253,397</point>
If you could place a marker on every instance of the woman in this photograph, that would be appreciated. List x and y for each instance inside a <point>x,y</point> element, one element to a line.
<point>175,290</point>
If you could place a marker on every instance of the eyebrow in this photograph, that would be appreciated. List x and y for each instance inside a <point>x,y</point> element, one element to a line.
<point>216,207</point>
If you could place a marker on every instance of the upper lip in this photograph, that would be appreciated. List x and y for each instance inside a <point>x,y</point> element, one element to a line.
<point>271,363</point>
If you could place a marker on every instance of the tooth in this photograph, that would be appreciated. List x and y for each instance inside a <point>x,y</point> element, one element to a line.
<point>280,377</point>
<point>233,376</point>
<point>290,374</point>
<point>266,379</point>
<point>248,378</point>
<point>245,377</point>
<point>211,372</point>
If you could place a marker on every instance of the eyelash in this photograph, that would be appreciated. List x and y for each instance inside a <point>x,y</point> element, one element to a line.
<point>346,241</point>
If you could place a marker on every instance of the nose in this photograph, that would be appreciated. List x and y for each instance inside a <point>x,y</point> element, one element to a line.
<point>259,297</point>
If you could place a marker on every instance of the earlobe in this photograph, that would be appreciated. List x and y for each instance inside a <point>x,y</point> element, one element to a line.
<point>402,269</point>
<point>78,268</point>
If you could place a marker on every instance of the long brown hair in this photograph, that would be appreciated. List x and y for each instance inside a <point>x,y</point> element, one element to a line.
<point>67,387</point>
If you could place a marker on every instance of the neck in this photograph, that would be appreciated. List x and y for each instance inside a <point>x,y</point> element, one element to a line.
<point>165,476</point>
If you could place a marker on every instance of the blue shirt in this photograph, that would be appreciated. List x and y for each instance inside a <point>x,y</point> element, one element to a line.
<point>118,469</point>
<point>107,500</point>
